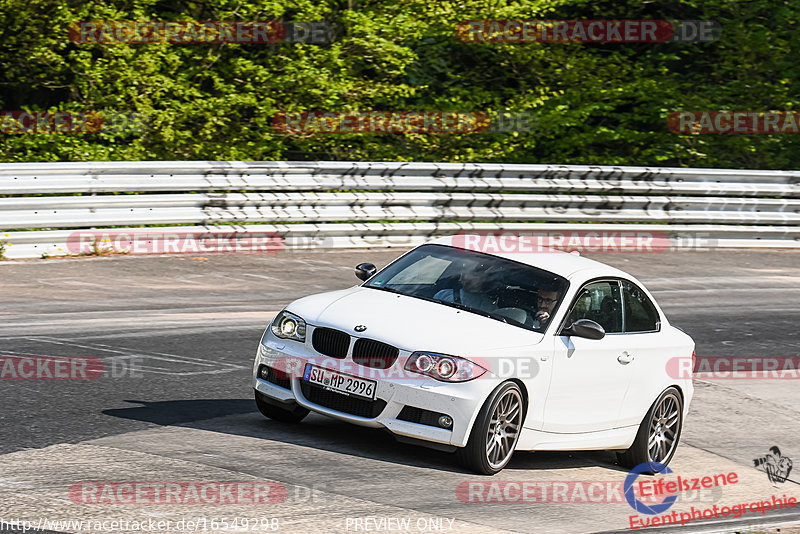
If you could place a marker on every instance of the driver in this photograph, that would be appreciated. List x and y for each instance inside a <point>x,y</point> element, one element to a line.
<point>472,288</point>
<point>546,302</point>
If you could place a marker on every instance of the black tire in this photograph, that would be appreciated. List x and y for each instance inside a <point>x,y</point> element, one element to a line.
<point>655,424</point>
<point>479,455</point>
<point>274,411</point>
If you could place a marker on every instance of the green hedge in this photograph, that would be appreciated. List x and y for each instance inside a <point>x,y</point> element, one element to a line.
<point>592,103</point>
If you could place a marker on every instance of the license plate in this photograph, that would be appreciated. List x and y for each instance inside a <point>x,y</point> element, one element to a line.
<point>344,384</point>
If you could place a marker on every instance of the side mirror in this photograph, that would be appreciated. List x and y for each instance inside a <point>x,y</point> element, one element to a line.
<point>364,271</point>
<point>585,328</point>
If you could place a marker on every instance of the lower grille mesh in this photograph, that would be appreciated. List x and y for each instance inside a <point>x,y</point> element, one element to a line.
<point>342,403</point>
<point>273,376</point>
<point>412,414</point>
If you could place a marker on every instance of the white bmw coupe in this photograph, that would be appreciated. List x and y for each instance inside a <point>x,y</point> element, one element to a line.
<point>484,354</point>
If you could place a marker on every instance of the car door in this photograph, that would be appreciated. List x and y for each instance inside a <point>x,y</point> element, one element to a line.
<point>590,378</point>
<point>649,348</point>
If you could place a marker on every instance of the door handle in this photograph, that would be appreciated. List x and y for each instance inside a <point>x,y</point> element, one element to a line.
<point>625,358</point>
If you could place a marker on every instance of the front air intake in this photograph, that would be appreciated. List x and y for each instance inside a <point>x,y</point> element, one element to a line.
<point>374,354</point>
<point>330,342</point>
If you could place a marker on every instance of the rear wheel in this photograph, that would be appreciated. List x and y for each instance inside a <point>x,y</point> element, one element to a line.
<point>658,434</point>
<point>291,414</point>
<point>495,433</point>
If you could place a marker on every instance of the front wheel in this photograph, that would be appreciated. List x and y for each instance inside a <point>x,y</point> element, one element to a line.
<point>495,433</point>
<point>658,434</point>
<point>277,413</point>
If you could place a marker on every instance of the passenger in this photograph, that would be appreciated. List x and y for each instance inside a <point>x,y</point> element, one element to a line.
<point>474,282</point>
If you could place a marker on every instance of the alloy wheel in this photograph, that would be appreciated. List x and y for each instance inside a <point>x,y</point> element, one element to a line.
<point>504,428</point>
<point>664,426</point>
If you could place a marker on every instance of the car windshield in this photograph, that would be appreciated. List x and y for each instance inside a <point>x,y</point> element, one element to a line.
<point>491,286</point>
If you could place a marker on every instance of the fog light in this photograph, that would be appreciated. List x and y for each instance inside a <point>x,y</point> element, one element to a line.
<point>446,421</point>
<point>264,372</point>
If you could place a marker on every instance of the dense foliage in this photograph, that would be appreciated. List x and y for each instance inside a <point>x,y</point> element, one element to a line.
<point>592,103</point>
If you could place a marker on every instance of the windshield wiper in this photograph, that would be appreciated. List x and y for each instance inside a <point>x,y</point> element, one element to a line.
<point>473,310</point>
<point>502,318</point>
<point>490,315</point>
<point>389,289</point>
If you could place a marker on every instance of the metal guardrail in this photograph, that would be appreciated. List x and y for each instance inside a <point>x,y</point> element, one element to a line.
<point>345,204</point>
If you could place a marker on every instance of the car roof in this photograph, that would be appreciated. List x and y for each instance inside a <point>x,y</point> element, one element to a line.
<point>568,265</point>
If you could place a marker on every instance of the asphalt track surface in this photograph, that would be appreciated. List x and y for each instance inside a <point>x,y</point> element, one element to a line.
<point>177,335</point>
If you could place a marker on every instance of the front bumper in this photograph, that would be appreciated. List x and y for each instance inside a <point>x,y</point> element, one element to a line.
<point>461,401</point>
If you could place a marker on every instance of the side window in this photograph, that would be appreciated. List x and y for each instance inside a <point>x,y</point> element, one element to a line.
<point>600,302</point>
<point>640,314</point>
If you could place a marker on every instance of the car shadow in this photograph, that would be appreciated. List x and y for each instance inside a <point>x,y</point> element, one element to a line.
<point>181,411</point>
<point>241,417</point>
<point>556,460</point>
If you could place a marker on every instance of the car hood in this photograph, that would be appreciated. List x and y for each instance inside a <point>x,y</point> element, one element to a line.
<point>410,323</point>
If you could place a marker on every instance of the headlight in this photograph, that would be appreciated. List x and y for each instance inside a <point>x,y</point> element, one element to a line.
<point>446,368</point>
<point>289,326</point>
<point>443,367</point>
<point>423,364</point>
